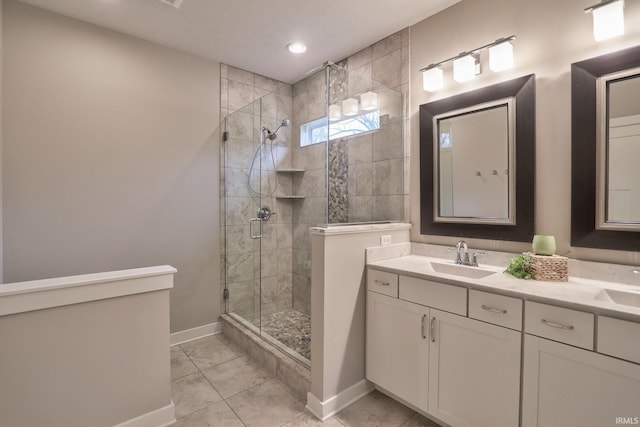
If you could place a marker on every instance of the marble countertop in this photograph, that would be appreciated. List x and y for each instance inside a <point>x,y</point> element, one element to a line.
<point>578,293</point>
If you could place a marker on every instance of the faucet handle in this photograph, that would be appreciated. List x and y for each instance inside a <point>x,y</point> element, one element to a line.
<point>475,257</point>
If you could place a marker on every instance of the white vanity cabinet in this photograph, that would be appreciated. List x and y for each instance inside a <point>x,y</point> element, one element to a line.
<point>422,348</point>
<point>567,384</point>
<point>474,372</point>
<point>397,347</point>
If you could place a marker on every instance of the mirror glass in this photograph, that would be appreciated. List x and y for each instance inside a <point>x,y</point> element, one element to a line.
<point>473,162</point>
<point>477,163</point>
<point>619,150</point>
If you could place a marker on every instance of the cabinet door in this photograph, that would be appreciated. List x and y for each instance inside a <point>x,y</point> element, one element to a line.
<point>571,387</point>
<point>474,372</point>
<point>398,347</point>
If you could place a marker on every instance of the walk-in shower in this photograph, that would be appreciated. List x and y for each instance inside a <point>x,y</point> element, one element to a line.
<point>328,152</point>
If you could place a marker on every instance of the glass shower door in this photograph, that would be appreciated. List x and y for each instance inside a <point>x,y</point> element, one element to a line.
<point>243,230</point>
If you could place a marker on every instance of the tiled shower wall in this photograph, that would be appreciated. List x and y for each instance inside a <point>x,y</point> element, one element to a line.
<point>251,101</point>
<point>368,172</point>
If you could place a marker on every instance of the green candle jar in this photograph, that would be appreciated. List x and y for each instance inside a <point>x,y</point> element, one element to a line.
<point>543,245</point>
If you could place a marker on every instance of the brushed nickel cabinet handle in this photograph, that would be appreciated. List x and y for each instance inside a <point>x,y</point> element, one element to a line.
<point>432,329</point>
<point>558,325</point>
<point>424,317</point>
<point>494,310</point>
<point>379,282</point>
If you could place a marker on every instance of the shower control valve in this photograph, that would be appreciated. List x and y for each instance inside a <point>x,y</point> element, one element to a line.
<point>264,213</point>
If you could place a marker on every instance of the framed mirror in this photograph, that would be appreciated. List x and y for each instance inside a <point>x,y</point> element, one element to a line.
<point>472,163</point>
<point>605,148</point>
<point>477,163</point>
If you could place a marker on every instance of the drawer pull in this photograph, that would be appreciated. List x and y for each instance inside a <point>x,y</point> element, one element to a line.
<point>380,282</point>
<point>424,317</point>
<point>432,329</point>
<point>557,325</point>
<point>494,310</point>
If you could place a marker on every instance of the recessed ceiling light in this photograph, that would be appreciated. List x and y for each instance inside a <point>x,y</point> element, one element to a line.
<point>174,3</point>
<point>296,47</point>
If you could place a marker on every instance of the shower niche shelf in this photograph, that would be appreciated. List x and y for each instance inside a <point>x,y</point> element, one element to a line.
<point>290,197</point>
<point>290,171</point>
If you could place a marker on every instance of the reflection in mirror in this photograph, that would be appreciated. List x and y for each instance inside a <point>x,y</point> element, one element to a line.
<point>619,150</point>
<point>477,163</point>
<point>473,161</point>
<point>604,152</point>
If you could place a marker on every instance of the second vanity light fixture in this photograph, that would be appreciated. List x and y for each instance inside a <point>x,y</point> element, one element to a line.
<point>608,19</point>
<point>467,64</point>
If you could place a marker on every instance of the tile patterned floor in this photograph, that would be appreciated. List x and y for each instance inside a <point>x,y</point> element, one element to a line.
<point>215,384</point>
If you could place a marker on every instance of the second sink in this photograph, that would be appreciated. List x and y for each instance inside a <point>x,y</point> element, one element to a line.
<point>619,297</point>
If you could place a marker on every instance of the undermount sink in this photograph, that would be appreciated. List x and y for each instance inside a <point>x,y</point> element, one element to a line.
<point>461,270</point>
<point>620,297</point>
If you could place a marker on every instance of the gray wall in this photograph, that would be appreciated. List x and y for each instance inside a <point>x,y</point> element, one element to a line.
<point>551,35</point>
<point>1,145</point>
<point>110,158</point>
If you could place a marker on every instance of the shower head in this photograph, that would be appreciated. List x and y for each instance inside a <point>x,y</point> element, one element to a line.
<point>272,135</point>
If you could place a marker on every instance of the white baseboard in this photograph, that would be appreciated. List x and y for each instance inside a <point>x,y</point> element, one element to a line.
<point>195,333</point>
<point>325,410</point>
<point>162,417</point>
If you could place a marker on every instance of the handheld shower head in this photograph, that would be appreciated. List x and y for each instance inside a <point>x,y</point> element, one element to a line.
<point>272,135</point>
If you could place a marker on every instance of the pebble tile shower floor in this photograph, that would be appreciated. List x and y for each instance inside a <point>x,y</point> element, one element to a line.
<point>292,328</point>
<point>215,384</point>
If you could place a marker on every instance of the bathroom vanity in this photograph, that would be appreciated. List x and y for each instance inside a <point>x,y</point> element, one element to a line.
<point>475,347</point>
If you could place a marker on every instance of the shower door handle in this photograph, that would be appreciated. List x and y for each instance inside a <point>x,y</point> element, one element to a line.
<point>251,222</point>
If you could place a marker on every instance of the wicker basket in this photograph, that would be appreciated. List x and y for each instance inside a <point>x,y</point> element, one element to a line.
<point>552,268</point>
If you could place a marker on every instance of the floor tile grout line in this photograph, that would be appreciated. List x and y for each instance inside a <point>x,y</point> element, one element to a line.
<point>221,396</point>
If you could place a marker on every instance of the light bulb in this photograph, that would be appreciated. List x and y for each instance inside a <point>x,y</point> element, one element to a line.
<point>464,69</point>
<point>432,79</point>
<point>350,107</point>
<point>501,56</point>
<point>369,101</point>
<point>608,20</point>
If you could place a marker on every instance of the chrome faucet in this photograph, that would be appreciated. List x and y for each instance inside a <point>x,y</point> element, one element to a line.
<point>462,253</point>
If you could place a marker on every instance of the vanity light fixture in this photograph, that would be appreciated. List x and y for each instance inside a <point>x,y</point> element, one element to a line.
<point>467,64</point>
<point>297,47</point>
<point>335,112</point>
<point>608,19</point>
<point>350,107</point>
<point>369,101</point>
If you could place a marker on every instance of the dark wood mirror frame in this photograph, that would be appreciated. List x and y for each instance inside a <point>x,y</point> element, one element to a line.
<point>584,76</point>
<point>523,90</point>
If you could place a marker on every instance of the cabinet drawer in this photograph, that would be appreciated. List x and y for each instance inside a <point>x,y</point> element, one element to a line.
<point>382,282</point>
<point>497,309</point>
<point>559,324</point>
<point>433,294</point>
<point>619,338</point>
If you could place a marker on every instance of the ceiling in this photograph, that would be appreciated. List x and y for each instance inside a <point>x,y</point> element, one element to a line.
<point>252,34</point>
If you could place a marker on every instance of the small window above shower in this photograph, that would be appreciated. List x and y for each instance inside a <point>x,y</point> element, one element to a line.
<point>336,127</point>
